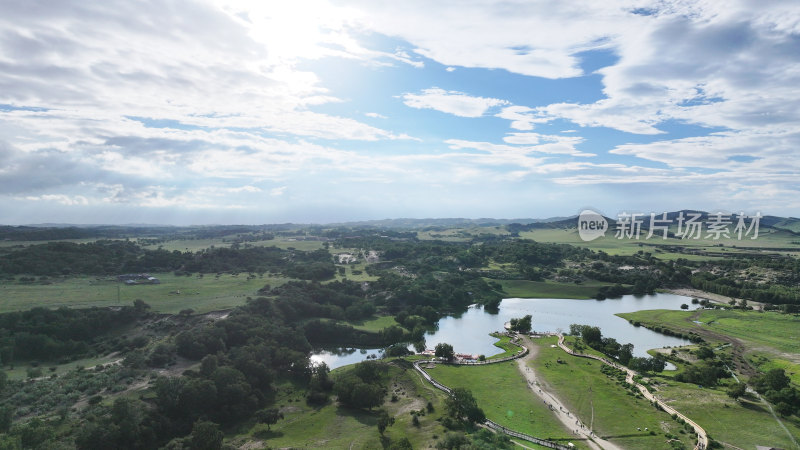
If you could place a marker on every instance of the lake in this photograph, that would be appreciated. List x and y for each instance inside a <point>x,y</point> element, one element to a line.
<point>469,332</point>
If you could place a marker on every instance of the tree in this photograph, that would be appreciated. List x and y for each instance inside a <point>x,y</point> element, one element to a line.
<point>591,335</point>
<point>522,325</point>
<point>206,436</point>
<point>461,405</point>
<point>625,353</point>
<point>684,306</point>
<point>704,352</point>
<point>401,444</point>
<point>445,351</point>
<point>6,415</point>
<point>208,365</point>
<point>269,416</point>
<point>140,305</point>
<point>384,420</point>
<point>784,409</point>
<point>776,379</point>
<point>736,391</point>
<point>353,391</point>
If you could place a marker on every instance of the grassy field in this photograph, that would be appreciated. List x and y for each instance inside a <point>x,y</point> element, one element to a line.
<point>777,331</point>
<point>373,324</point>
<point>767,239</point>
<point>744,424</point>
<point>770,338</point>
<point>194,245</point>
<point>333,426</point>
<point>587,392</point>
<point>504,396</point>
<point>174,294</point>
<point>549,289</point>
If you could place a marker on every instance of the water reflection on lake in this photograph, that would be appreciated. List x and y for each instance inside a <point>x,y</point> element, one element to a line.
<point>344,356</point>
<point>468,333</point>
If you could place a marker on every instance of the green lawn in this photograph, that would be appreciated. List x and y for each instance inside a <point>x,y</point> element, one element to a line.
<point>745,424</point>
<point>374,324</point>
<point>773,330</point>
<point>579,383</point>
<point>171,296</point>
<point>549,289</point>
<point>767,239</point>
<point>504,396</point>
<point>504,343</point>
<point>771,338</point>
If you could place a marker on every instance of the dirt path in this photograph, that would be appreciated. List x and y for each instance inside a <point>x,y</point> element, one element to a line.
<point>570,421</point>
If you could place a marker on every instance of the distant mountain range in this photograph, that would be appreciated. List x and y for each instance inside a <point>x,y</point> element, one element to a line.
<point>55,231</point>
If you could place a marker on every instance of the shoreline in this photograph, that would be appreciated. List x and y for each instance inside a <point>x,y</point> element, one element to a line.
<point>715,298</point>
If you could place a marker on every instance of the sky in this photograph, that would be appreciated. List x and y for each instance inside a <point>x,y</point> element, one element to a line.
<point>249,112</point>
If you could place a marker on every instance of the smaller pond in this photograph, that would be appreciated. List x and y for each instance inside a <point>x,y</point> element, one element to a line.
<point>344,356</point>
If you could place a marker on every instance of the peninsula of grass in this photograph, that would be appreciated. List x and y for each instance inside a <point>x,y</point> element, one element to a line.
<point>771,339</point>
<point>763,329</point>
<point>550,289</point>
<point>373,324</point>
<point>504,343</point>
<point>504,396</point>
<point>619,416</point>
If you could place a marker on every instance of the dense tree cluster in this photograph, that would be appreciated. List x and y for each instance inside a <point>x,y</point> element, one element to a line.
<point>731,286</point>
<point>106,257</point>
<point>703,373</point>
<point>776,387</point>
<point>364,386</point>
<point>593,337</point>
<point>51,334</point>
<point>522,324</point>
<point>462,407</point>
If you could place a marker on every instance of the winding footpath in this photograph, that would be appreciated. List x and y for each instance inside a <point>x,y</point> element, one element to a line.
<point>702,437</point>
<point>562,413</point>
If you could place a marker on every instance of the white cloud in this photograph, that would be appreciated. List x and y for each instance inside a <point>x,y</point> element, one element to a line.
<point>236,99</point>
<point>60,198</point>
<point>451,102</point>
<point>535,143</point>
<point>530,38</point>
<point>521,117</point>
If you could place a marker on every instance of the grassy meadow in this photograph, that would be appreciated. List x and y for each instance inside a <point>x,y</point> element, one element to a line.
<point>587,392</point>
<point>744,424</point>
<point>174,294</point>
<point>550,289</point>
<point>503,394</point>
